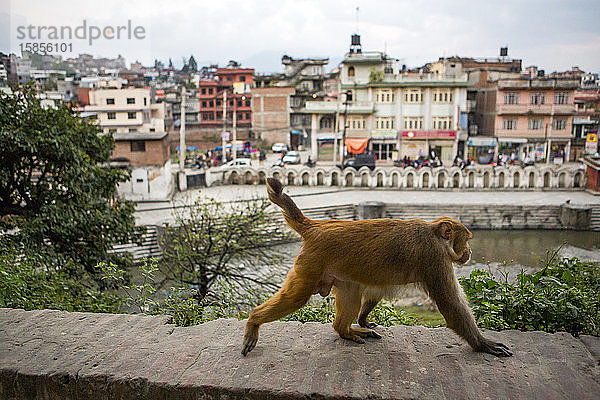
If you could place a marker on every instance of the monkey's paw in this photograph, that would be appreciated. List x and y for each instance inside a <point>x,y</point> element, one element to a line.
<point>497,349</point>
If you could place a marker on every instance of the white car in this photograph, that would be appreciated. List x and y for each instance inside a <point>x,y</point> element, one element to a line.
<point>279,148</point>
<point>238,162</point>
<point>292,157</point>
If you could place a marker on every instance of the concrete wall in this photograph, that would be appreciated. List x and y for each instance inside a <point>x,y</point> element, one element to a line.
<point>55,355</point>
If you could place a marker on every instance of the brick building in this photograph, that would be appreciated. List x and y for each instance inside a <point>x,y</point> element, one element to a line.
<point>271,113</point>
<point>234,84</point>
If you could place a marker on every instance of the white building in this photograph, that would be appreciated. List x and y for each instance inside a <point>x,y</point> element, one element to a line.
<point>393,112</point>
<point>120,110</point>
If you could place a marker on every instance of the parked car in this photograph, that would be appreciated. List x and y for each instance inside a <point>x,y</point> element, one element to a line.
<point>238,162</point>
<point>292,157</point>
<point>361,160</point>
<point>279,148</point>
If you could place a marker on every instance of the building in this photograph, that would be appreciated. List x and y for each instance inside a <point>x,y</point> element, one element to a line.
<point>529,116</point>
<point>232,84</point>
<point>587,104</point>
<point>394,112</point>
<point>146,154</point>
<point>271,112</point>
<point>307,76</point>
<point>120,110</point>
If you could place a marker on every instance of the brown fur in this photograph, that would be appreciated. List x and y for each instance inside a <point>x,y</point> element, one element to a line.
<point>363,261</point>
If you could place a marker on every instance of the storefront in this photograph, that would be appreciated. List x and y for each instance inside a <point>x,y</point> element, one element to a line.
<point>559,150</point>
<point>481,149</point>
<point>510,147</point>
<point>422,143</point>
<point>533,151</point>
<point>384,145</point>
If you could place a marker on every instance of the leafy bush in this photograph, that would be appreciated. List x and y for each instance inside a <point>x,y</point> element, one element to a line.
<point>563,296</point>
<point>27,282</point>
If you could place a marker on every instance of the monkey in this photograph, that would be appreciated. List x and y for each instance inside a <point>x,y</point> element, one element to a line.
<point>362,261</point>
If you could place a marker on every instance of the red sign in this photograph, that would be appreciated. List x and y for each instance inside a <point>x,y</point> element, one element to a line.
<point>429,134</point>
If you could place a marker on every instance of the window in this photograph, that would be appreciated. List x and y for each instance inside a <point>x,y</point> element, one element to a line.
<point>137,145</point>
<point>203,91</point>
<point>559,124</point>
<point>239,103</point>
<point>247,116</point>
<point>110,101</point>
<point>535,124</point>
<point>442,96</point>
<point>356,123</point>
<point>242,79</point>
<point>511,98</point>
<point>413,96</point>
<point>132,130</point>
<point>144,101</point>
<point>247,103</point>
<point>131,115</point>
<point>325,123</point>
<point>413,122</point>
<point>351,71</point>
<point>210,91</point>
<point>211,116</point>
<point>230,78</point>
<point>384,123</point>
<point>204,104</point>
<point>509,124</point>
<point>131,100</point>
<point>384,96</point>
<point>441,123</point>
<point>538,98</point>
<point>383,151</point>
<point>561,98</point>
<point>112,131</point>
<point>112,115</point>
<point>211,103</point>
<point>219,116</point>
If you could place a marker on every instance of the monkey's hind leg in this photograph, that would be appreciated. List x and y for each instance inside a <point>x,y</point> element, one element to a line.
<point>294,293</point>
<point>367,305</point>
<point>347,304</point>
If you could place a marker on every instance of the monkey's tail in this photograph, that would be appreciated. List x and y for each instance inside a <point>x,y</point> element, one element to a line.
<point>292,214</point>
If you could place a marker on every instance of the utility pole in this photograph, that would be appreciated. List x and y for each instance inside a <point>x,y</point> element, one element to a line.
<point>347,93</point>
<point>234,129</point>
<point>223,159</point>
<point>182,177</point>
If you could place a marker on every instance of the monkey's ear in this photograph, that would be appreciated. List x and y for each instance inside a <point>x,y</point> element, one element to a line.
<point>445,230</point>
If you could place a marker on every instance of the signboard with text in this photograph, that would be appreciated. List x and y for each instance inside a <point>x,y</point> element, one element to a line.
<point>428,134</point>
<point>591,142</point>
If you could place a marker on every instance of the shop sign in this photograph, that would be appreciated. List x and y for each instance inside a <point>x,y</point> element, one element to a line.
<point>591,142</point>
<point>481,142</point>
<point>429,134</point>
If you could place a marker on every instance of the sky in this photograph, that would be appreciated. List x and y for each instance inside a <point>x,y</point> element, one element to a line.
<point>554,35</point>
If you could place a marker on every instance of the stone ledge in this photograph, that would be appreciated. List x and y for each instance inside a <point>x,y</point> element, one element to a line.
<point>59,355</point>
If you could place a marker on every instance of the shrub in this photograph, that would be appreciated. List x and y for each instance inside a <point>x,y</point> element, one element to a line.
<point>563,296</point>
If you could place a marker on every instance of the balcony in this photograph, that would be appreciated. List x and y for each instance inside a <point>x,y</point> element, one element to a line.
<point>536,109</point>
<point>330,107</point>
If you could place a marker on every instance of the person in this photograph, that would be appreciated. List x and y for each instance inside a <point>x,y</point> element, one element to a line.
<point>261,157</point>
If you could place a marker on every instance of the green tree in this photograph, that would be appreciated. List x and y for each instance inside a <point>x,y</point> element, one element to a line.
<point>57,191</point>
<point>212,241</point>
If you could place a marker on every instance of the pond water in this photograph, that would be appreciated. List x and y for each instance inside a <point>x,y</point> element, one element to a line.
<point>513,251</point>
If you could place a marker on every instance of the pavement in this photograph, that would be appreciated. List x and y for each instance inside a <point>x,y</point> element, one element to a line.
<point>319,196</point>
<point>51,355</point>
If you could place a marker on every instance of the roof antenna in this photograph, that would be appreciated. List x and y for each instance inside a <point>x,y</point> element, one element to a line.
<point>357,8</point>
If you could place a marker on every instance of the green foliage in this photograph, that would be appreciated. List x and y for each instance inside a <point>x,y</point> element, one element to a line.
<point>562,296</point>
<point>137,294</point>
<point>376,75</point>
<point>212,241</point>
<point>324,312</point>
<point>56,188</point>
<point>28,282</point>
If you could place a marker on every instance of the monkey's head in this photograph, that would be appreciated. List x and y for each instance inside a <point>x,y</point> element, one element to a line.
<point>456,237</point>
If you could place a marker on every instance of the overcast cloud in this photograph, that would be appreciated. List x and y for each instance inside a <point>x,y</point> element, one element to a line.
<point>555,35</point>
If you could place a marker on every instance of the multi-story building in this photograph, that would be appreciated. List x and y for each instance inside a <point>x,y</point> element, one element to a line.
<point>587,104</point>
<point>394,112</point>
<point>528,116</point>
<point>271,113</point>
<point>232,84</point>
<point>120,110</point>
<point>307,76</point>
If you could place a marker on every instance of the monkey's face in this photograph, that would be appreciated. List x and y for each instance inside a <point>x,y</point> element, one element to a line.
<point>461,243</point>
